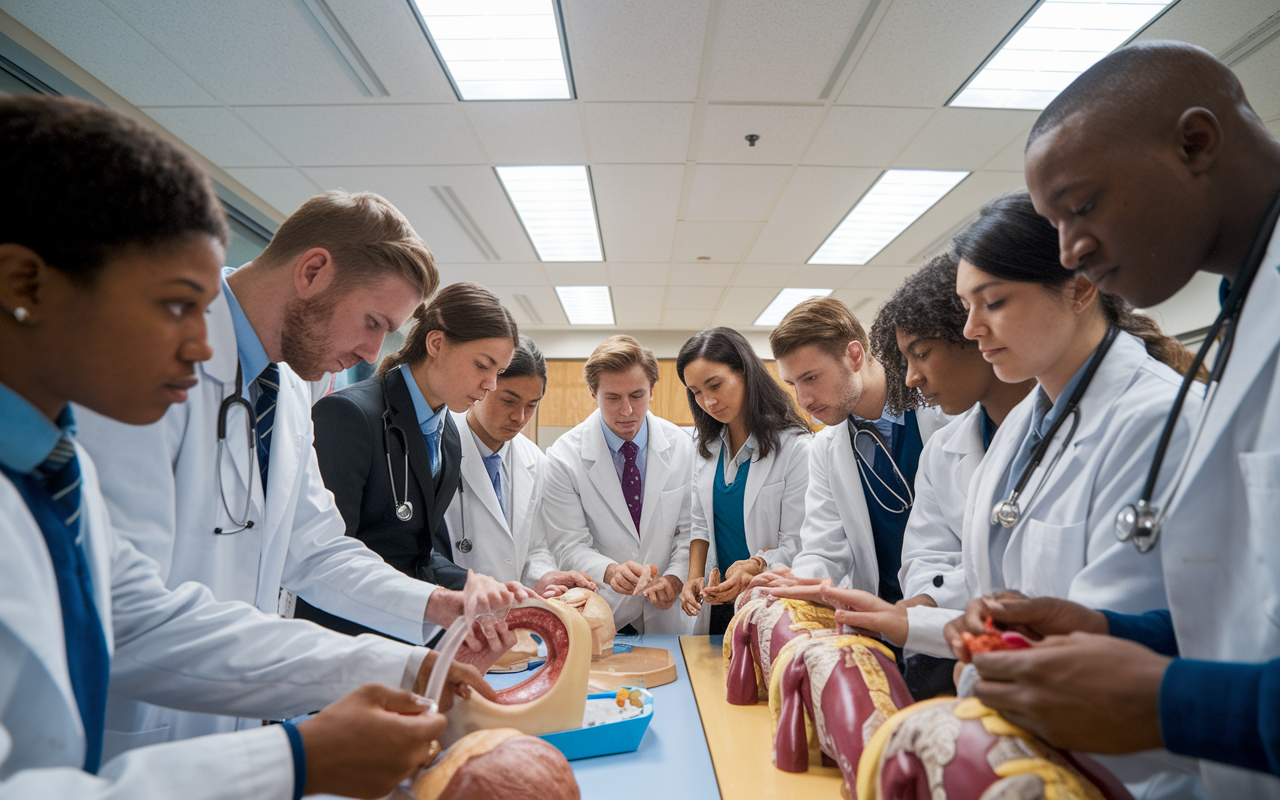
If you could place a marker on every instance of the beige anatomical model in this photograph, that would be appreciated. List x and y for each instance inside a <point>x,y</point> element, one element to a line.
<point>500,764</point>
<point>595,609</point>
<point>554,697</point>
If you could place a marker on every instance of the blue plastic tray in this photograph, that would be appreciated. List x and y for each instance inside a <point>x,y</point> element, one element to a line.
<point>603,740</point>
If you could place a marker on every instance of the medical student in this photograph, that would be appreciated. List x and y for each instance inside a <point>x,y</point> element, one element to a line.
<point>862,466</point>
<point>919,337</point>
<point>1153,165</point>
<point>112,241</point>
<point>225,489</point>
<point>493,519</point>
<point>616,497</point>
<point>390,452</point>
<point>750,476</point>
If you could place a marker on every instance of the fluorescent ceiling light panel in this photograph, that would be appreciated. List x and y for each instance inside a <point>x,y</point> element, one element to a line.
<point>786,300</point>
<point>500,49</point>
<point>556,209</point>
<point>1060,40</point>
<point>896,200</point>
<point>586,305</point>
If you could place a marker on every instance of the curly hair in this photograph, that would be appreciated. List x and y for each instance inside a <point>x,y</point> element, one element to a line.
<point>84,183</point>
<point>925,306</point>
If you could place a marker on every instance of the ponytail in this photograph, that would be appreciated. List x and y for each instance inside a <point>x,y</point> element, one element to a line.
<point>1160,346</point>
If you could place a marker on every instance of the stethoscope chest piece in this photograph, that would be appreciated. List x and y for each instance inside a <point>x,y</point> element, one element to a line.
<point>1006,513</point>
<point>404,511</point>
<point>1139,523</point>
<point>464,546</point>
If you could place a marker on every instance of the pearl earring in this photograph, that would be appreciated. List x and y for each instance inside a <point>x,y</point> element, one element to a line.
<point>21,314</point>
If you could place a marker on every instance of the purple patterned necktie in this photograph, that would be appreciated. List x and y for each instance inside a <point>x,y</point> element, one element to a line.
<point>631,481</point>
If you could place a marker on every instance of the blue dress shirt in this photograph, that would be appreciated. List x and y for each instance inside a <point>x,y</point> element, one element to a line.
<point>430,421</point>
<point>253,356</point>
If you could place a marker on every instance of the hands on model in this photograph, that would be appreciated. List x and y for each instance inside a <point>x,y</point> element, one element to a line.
<point>625,577</point>
<point>556,583</point>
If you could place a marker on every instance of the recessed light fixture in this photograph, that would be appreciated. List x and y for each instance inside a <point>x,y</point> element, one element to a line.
<point>1053,45</point>
<point>786,300</point>
<point>500,49</point>
<point>898,198</point>
<point>586,305</point>
<point>557,210</point>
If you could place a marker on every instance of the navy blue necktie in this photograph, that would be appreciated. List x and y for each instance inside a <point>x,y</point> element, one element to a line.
<point>53,496</point>
<point>265,414</point>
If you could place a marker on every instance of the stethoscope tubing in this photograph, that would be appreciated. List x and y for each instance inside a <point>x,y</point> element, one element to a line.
<point>251,435</point>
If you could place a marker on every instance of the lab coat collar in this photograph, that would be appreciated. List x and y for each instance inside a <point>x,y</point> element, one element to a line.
<point>594,450</point>
<point>474,473</point>
<point>1114,376</point>
<point>969,438</point>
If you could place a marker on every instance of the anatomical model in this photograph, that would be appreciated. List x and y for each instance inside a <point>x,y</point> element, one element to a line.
<point>949,749</point>
<point>829,694</point>
<point>762,626</point>
<point>595,609</point>
<point>554,697</point>
<point>499,764</point>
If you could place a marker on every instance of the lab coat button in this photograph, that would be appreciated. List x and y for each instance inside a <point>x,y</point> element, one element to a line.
<point>937,580</point>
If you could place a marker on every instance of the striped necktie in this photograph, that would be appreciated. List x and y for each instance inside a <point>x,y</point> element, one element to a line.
<point>265,416</point>
<point>61,475</point>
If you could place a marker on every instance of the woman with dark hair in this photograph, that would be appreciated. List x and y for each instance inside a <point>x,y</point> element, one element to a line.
<point>493,521</point>
<point>752,472</point>
<point>389,450</point>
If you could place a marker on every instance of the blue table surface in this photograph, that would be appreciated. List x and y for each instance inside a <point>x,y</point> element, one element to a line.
<point>672,760</point>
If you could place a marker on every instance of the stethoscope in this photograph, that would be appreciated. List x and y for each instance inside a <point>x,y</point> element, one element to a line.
<point>404,508</point>
<point>251,434</point>
<point>877,441</point>
<point>1142,521</point>
<point>1007,512</point>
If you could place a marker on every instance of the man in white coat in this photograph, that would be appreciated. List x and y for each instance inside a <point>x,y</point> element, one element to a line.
<point>247,514</point>
<point>1153,165</point>
<point>616,499</point>
<point>862,466</point>
<point>493,521</point>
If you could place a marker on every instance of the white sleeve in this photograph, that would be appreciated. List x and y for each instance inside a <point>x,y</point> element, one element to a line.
<point>565,524</point>
<point>824,547</point>
<point>931,550</point>
<point>339,574</point>
<point>791,522</point>
<point>698,525</point>
<point>255,763</point>
<point>185,650</point>
<point>679,564</point>
<point>924,630</point>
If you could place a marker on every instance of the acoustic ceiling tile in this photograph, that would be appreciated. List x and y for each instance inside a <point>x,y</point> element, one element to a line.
<point>637,206</point>
<point>528,132</point>
<point>647,274</point>
<point>686,297</point>
<point>870,136</point>
<point>719,241</point>
<point>725,193</point>
<point>784,133</point>
<point>635,51</point>
<point>218,135</point>
<point>285,188</point>
<point>816,200</point>
<point>639,133</point>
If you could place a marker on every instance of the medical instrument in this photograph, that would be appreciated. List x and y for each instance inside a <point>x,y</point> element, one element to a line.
<point>404,508</point>
<point>251,436</point>
<point>1141,521</point>
<point>1007,512</point>
<point>871,431</point>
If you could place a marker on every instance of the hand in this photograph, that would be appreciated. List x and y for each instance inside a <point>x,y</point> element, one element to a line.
<point>556,583</point>
<point>484,645</point>
<point>663,591</point>
<point>369,741</point>
<point>690,594</point>
<point>736,579</point>
<point>1083,691</point>
<point>622,578</point>
<point>777,577</point>
<point>482,593</point>
<point>462,678</point>
<point>867,614</point>
<point>1033,617</point>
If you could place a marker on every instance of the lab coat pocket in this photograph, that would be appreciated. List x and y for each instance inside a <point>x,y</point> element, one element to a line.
<point>766,516</point>
<point>1261,474</point>
<point>1051,557</point>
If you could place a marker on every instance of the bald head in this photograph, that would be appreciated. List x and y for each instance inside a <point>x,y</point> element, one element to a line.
<point>1144,88</point>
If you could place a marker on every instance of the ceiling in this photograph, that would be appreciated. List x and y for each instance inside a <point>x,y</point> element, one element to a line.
<point>698,227</point>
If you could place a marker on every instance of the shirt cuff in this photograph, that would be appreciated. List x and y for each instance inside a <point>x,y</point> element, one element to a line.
<point>925,625</point>
<point>413,666</point>
<point>299,759</point>
<point>1210,710</point>
<point>1153,629</point>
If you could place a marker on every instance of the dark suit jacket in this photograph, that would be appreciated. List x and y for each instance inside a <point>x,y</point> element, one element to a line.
<point>353,462</point>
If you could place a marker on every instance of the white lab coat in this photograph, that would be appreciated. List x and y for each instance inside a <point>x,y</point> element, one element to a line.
<point>836,540</point>
<point>1065,544</point>
<point>176,647</point>
<point>1221,551</point>
<point>589,527</point>
<point>931,542</point>
<point>773,500</point>
<point>507,552</point>
<point>161,489</point>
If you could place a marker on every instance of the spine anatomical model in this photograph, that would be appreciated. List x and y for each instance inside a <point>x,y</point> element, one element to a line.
<point>759,630</point>
<point>829,694</point>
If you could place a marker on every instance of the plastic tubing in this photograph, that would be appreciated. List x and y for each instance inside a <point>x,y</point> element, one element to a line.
<point>447,649</point>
